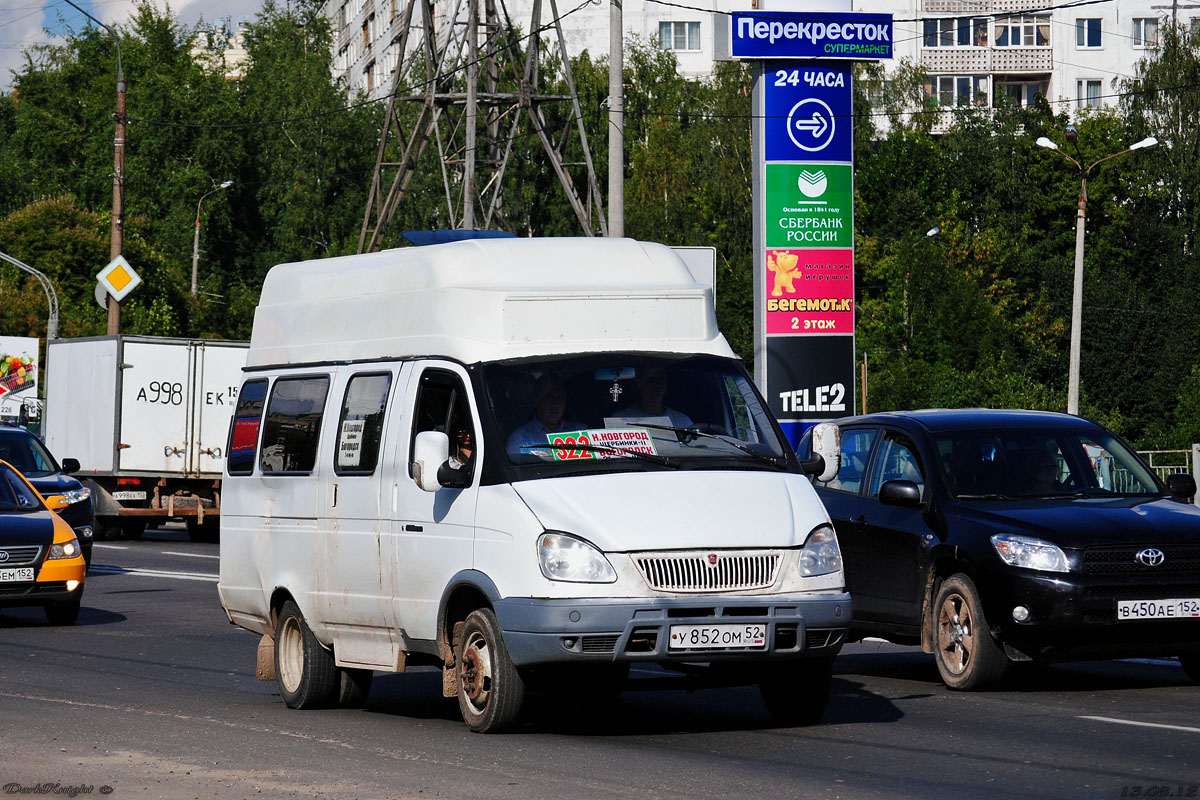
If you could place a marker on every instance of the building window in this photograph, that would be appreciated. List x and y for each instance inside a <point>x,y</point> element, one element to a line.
<point>1087,94</point>
<point>1023,31</point>
<point>1020,93</point>
<point>366,39</point>
<point>679,35</point>
<point>369,74</point>
<point>1087,33</point>
<point>1145,32</point>
<point>957,91</point>
<point>955,32</point>
<point>343,17</point>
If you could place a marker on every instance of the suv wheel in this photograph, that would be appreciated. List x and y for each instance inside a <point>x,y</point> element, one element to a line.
<point>967,656</point>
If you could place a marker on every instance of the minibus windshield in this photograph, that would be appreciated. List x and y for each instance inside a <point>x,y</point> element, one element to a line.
<point>617,411</point>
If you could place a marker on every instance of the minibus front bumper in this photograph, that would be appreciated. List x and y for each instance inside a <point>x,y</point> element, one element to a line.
<point>708,629</point>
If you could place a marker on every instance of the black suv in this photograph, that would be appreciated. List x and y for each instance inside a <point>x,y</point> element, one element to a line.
<point>992,536</point>
<point>27,454</point>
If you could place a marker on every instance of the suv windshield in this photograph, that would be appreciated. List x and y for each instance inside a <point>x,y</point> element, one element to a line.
<point>26,453</point>
<point>1000,464</point>
<point>626,411</point>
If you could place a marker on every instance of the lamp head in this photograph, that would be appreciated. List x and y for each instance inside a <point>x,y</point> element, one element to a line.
<point>225,185</point>
<point>1072,134</point>
<point>1149,141</point>
<point>1042,141</point>
<point>934,231</point>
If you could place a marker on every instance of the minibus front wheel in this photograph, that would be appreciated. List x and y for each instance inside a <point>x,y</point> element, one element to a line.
<point>304,669</point>
<point>490,690</point>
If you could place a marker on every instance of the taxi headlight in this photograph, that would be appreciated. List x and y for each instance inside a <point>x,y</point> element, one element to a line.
<point>820,554</point>
<point>68,549</point>
<point>563,557</point>
<point>1030,553</point>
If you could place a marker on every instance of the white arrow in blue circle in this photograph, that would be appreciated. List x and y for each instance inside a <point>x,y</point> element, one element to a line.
<point>810,125</point>
<point>816,125</point>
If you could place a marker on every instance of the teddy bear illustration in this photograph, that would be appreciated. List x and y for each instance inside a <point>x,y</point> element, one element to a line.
<point>786,271</point>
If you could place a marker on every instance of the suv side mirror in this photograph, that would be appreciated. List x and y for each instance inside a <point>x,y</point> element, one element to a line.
<point>826,452</point>
<point>430,450</point>
<point>70,465</point>
<point>900,493</point>
<point>1182,486</point>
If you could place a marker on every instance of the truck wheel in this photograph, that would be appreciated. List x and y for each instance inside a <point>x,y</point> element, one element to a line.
<point>490,690</point>
<point>64,614</point>
<point>304,669</point>
<point>353,687</point>
<point>797,692</point>
<point>133,529</point>
<point>967,656</point>
<point>1191,665</point>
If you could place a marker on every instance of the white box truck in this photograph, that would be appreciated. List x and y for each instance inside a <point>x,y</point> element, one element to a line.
<point>147,418</point>
<point>529,463</point>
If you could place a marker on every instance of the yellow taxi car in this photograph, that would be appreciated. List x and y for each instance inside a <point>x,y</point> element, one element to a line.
<point>41,563</point>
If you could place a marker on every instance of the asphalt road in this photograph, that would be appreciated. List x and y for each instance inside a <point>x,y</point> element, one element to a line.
<point>153,695</point>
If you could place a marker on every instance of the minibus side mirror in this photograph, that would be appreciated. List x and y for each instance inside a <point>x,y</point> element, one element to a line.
<point>826,452</point>
<point>430,451</point>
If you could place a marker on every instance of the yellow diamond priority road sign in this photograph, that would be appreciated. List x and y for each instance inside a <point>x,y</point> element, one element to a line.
<point>118,278</point>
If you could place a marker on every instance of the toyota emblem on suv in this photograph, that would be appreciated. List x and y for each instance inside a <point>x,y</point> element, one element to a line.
<point>1151,557</point>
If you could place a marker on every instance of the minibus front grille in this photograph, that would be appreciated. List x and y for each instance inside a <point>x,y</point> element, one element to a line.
<point>713,571</point>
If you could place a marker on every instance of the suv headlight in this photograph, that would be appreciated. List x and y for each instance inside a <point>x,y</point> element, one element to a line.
<point>820,554</point>
<point>563,557</point>
<point>76,495</point>
<point>1030,553</point>
<point>68,549</point>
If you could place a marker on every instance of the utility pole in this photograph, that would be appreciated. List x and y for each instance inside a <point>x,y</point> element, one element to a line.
<point>616,120</point>
<point>118,203</point>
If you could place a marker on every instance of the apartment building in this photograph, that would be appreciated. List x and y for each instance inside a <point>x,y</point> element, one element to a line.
<point>975,52</point>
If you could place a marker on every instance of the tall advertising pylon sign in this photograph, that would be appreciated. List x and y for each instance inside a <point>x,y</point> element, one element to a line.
<point>803,195</point>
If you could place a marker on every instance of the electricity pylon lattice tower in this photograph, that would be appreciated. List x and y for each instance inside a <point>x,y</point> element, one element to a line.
<point>472,121</point>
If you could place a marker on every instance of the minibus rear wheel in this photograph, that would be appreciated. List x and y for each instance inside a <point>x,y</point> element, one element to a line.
<point>490,690</point>
<point>304,669</point>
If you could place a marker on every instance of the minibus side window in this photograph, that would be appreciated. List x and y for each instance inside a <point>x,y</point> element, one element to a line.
<point>243,428</point>
<point>361,424</point>
<point>293,425</point>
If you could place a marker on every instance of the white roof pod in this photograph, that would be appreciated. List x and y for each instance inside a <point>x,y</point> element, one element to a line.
<point>485,300</point>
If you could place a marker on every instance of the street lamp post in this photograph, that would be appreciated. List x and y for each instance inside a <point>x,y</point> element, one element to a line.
<point>196,238</point>
<point>1080,220</point>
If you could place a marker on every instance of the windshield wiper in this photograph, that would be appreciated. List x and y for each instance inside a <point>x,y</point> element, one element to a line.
<point>653,458</point>
<point>687,435</point>
<point>989,496</point>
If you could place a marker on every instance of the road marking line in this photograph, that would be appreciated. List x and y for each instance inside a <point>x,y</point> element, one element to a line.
<point>105,569</point>
<point>110,546</point>
<point>188,555</point>
<point>1143,724</point>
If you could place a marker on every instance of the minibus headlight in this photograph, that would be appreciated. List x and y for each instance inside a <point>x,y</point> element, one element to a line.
<point>820,554</point>
<point>68,549</point>
<point>563,557</point>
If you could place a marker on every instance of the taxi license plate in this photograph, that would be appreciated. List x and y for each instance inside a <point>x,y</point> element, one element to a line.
<point>1171,608</point>
<point>15,575</point>
<point>718,637</point>
<point>129,495</point>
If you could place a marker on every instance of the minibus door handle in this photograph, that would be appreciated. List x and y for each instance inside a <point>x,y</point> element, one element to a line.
<point>413,528</point>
